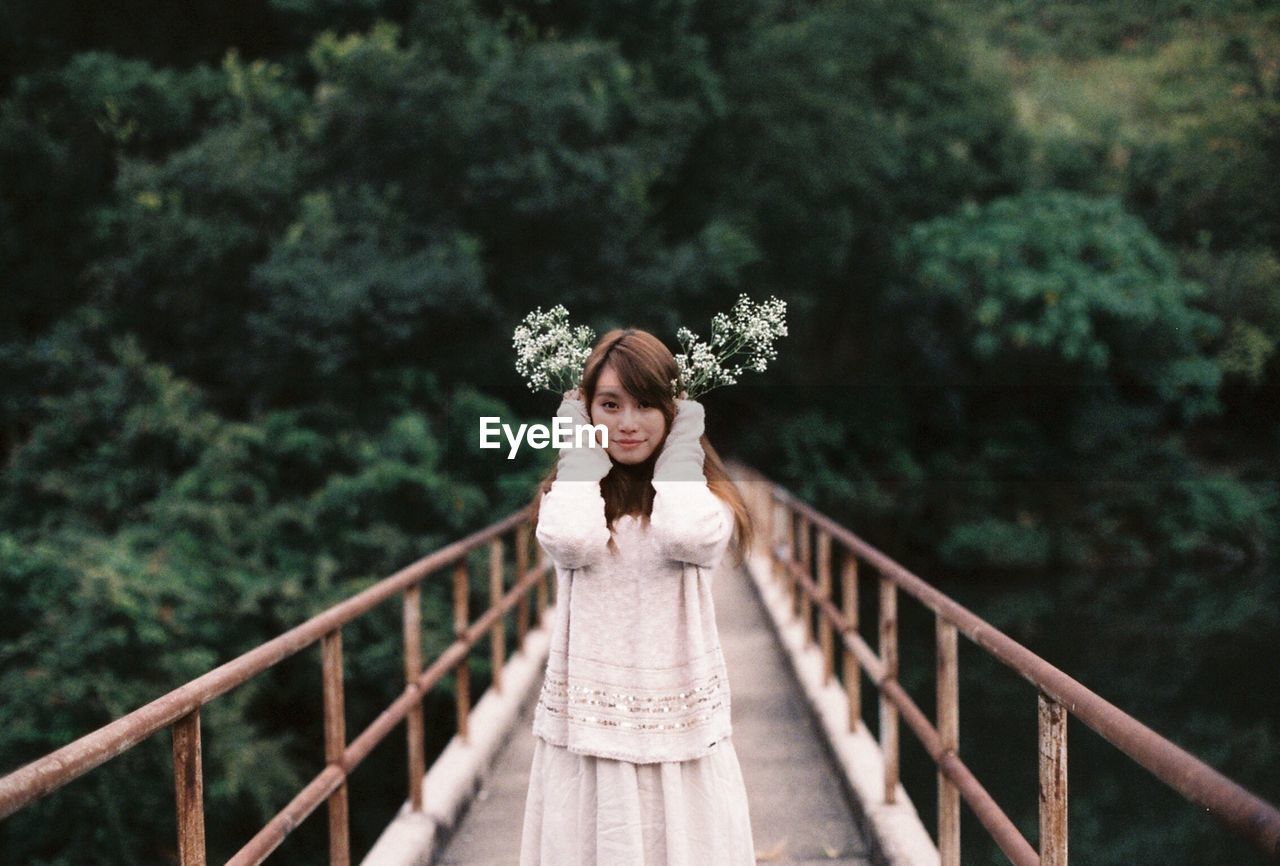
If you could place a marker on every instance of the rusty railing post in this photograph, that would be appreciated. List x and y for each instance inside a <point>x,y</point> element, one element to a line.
<point>770,531</point>
<point>498,633</point>
<point>793,558</point>
<point>463,669</point>
<point>1053,781</point>
<point>781,566</point>
<point>806,561</point>
<point>852,669</point>
<point>1059,698</point>
<point>522,569</point>
<point>412,670</point>
<point>949,735</point>
<point>335,743</point>
<point>758,507</point>
<point>542,585</point>
<point>824,623</point>
<point>188,783</point>
<point>888,710</point>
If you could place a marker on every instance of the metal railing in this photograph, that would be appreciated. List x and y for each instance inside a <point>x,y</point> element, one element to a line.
<point>791,532</point>
<point>179,710</point>
<point>791,529</point>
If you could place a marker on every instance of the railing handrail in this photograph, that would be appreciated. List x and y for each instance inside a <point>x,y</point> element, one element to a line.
<point>39,777</point>
<point>179,707</point>
<point>1241,810</point>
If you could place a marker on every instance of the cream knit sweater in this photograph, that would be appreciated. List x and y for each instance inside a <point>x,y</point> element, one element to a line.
<point>635,670</point>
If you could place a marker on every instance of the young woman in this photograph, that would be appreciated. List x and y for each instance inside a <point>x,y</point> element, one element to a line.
<point>633,763</point>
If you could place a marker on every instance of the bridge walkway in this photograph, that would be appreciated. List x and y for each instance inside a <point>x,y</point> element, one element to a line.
<point>800,811</point>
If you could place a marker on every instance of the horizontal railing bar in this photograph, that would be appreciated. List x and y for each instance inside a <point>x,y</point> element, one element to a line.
<point>56,769</point>
<point>1243,811</point>
<point>450,658</point>
<point>1002,829</point>
<point>269,837</point>
<point>481,626</point>
<point>856,644</point>
<point>988,812</point>
<point>866,655</point>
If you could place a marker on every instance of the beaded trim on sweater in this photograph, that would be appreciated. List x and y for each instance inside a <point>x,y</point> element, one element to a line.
<point>693,707</point>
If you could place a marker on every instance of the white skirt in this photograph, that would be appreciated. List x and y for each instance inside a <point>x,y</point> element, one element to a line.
<point>584,810</point>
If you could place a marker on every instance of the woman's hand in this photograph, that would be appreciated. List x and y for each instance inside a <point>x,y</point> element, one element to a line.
<point>571,520</point>
<point>689,522</point>
<point>574,408</point>
<point>580,464</point>
<point>681,457</point>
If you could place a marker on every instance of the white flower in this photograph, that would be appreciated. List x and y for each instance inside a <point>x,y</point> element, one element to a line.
<point>551,353</point>
<point>749,329</point>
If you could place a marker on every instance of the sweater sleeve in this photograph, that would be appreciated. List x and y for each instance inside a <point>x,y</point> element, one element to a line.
<point>571,522</point>
<point>691,524</point>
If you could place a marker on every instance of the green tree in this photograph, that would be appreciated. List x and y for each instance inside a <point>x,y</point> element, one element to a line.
<point>1056,348</point>
<point>62,132</point>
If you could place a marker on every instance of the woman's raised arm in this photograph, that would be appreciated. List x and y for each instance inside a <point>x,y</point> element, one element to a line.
<point>690,523</point>
<point>571,521</point>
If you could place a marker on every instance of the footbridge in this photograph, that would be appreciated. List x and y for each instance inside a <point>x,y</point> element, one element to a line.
<point>823,786</point>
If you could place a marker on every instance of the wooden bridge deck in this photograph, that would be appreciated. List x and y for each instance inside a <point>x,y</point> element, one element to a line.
<point>800,812</point>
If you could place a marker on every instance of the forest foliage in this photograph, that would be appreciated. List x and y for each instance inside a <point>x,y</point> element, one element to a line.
<point>262,269</point>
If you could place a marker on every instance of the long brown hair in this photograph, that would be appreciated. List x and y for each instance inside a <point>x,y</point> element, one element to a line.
<point>646,368</point>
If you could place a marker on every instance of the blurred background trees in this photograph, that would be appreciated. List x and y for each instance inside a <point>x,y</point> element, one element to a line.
<point>262,263</point>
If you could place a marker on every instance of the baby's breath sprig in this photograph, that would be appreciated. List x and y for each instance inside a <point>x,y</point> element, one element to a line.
<point>749,329</point>
<point>551,353</point>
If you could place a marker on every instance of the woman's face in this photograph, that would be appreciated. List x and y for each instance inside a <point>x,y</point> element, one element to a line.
<point>635,428</point>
